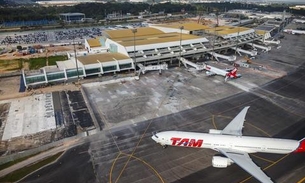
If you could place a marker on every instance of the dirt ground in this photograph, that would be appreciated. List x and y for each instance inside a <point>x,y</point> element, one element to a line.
<point>10,88</point>
<point>10,85</point>
<point>52,50</point>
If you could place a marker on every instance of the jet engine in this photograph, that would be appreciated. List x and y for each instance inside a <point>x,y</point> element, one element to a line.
<point>208,73</point>
<point>221,162</point>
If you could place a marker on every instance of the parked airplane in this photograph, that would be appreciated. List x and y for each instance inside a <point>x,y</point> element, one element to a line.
<point>228,73</point>
<point>291,31</point>
<point>232,144</point>
<point>299,21</point>
<point>210,70</point>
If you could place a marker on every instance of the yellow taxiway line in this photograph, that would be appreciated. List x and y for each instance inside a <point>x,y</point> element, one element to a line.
<point>272,164</point>
<point>302,180</point>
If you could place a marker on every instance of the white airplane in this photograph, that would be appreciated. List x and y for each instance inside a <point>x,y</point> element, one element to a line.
<point>291,31</point>
<point>232,144</point>
<point>299,21</point>
<point>232,73</point>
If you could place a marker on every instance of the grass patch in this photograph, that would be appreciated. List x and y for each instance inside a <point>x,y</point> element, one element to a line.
<point>53,59</point>
<point>34,63</point>
<point>11,163</point>
<point>37,63</point>
<point>19,174</point>
<point>10,65</point>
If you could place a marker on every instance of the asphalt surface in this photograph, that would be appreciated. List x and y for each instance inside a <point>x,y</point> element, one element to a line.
<point>124,156</point>
<point>128,154</point>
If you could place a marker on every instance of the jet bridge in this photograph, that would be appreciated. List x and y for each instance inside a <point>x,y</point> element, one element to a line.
<point>272,42</point>
<point>251,53</point>
<point>187,62</point>
<point>143,68</point>
<point>268,48</point>
<point>217,55</point>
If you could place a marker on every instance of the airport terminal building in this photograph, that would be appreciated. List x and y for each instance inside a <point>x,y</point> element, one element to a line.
<point>121,50</point>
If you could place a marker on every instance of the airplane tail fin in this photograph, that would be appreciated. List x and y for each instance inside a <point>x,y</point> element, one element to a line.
<point>301,147</point>
<point>232,74</point>
<point>302,140</point>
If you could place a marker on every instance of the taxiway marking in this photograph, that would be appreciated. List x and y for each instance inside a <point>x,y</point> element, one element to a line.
<point>259,129</point>
<point>213,121</point>
<point>262,158</point>
<point>143,135</point>
<point>302,180</point>
<point>272,164</point>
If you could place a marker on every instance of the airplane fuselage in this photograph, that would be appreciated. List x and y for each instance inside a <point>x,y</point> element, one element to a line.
<point>239,143</point>
<point>232,144</point>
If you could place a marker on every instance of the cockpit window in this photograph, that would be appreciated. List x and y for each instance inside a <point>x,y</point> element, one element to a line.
<point>155,134</point>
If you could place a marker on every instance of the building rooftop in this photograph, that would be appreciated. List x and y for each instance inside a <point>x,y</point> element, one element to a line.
<point>265,27</point>
<point>124,33</point>
<point>225,30</point>
<point>102,57</point>
<point>67,64</point>
<point>94,42</point>
<point>71,14</point>
<point>186,26</point>
<point>154,39</point>
<point>261,32</point>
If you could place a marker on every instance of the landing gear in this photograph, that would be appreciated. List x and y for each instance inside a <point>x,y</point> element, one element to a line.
<point>164,146</point>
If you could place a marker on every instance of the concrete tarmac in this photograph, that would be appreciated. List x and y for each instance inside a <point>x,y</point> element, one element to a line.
<point>127,153</point>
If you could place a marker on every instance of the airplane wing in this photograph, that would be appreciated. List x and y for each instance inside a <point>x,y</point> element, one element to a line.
<point>210,73</point>
<point>243,160</point>
<point>236,125</point>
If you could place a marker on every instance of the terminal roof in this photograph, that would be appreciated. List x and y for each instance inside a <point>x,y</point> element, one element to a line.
<point>261,32</point>
<point>124,33</point>
<point>186,26</point>
<point>154,39</point>
<point>102,57</point>
<point>95,42</point>
<point>225,30</point>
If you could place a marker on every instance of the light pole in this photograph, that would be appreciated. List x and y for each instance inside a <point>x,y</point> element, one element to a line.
<point>237,34</point>
<point>214,38</point>
<point>134,31</point>
<point>182,27</point>
<point>76,60</point>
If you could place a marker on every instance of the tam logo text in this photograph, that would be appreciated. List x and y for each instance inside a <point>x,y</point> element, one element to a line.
<point>176,141</point>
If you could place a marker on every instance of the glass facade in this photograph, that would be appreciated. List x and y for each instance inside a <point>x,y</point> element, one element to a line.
<point>55,76</point>
<point>72,73</point>
<point>125,66</point>
<point>93,71</point>
<point>35,79</point>
<point>109,68</point>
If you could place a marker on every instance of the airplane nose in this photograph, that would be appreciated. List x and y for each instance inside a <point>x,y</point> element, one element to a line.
<point>155,137</point>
